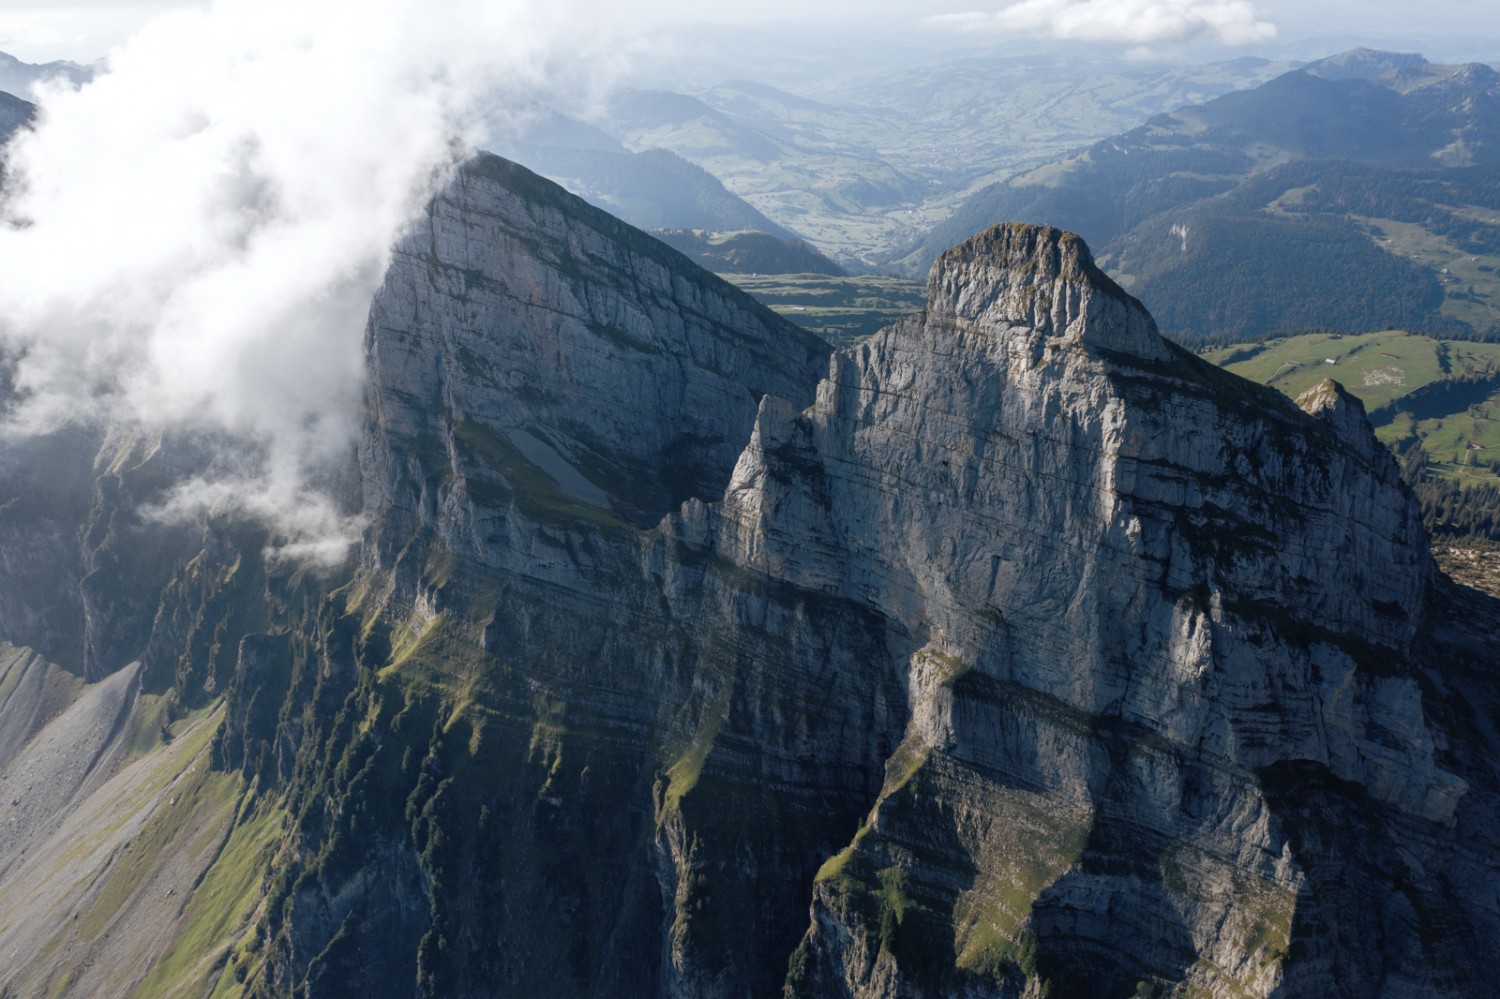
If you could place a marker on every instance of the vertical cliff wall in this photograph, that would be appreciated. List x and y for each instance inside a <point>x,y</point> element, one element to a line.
<point>1011,650</point>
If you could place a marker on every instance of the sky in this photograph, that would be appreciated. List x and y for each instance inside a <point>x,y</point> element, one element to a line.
<point>83,30</point>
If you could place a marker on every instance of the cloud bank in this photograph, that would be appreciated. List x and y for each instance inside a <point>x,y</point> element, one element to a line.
<point>193,239</point>
<point>1139,22</point>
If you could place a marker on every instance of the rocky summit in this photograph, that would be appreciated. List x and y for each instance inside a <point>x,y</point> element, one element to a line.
<point>1014,651</point>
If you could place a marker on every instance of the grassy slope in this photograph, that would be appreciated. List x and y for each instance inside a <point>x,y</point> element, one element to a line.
<point>143,888</point>
<point>841,310</point>
<point>1471,293</point>
<point>1377,367</point>
<point>1382,368</point>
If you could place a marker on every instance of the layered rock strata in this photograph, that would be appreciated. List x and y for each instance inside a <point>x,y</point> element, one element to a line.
<point>1006,655</point>
<point>1011,650</point>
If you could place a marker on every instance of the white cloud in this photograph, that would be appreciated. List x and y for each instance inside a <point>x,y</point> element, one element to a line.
<point>82,30</point>
<point>197,234</point>
<point>1136,22</point>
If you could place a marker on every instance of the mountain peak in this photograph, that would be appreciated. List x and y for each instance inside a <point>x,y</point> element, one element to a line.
<point>1344,413</point>
<point>1363,64</point>
<point>1016,274</point>
<point>1329,396</point>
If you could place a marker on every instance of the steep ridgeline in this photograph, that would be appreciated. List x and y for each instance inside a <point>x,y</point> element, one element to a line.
<point>1033,650</point>
<point>1157,621</point>
<point>1013,649</point>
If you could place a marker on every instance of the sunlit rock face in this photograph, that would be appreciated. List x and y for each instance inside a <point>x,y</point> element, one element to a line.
<point>520,307</point>
<point>1142,589</point>
<point>1011,650</point>
<point>999,659</point>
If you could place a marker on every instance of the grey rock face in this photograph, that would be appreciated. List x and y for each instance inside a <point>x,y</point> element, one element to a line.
<point>1121,617</point>
<point>1042,279</point>
<point>1144,586</point>
<point>571,341</point>
<point>546,384</point>
<point>1013,649</point>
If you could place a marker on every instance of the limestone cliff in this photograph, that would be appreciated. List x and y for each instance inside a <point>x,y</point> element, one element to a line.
<point>1011,650</point>
<point>1156,607</point>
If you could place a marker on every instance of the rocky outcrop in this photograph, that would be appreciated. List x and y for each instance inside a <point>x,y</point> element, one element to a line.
<point>570,343</point>
<point>1029,651</point>
<point>1110,607</point>
<point>1044,280</point>
<point>1012,649</point>
<point>546,385</point>
<point>1143,587</point>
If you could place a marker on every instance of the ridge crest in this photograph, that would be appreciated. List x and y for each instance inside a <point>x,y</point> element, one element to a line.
<point>1017,274</point>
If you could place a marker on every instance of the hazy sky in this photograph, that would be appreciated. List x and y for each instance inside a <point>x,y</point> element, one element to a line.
<point>39,30</point>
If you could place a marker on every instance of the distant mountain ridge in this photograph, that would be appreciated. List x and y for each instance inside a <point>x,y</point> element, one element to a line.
<point>747,252</point>
<point>18,77</point>
<point>651,188</point>
<point>1253,212</point>
<point>14,112</point>
<point>856,165</point>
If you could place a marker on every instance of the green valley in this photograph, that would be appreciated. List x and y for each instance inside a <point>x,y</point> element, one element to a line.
<point>841,310</point>
<point>1442,394</point>
<point>1435,403</point>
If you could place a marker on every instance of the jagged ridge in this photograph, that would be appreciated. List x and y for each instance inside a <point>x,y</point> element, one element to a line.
<point>1011,647</point>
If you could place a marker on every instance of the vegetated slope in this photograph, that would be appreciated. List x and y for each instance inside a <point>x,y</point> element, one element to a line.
<point>1380,368</point>
<point>1435,403</point>
<point>841,310</point>
<point>856,165</point>
<point>1432,394</point>
<point>747,252</point>
<point>1350,195</point>
<point>127,632</point>
<point>1012,649</point>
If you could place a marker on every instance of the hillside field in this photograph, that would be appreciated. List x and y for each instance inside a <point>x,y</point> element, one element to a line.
<point>842,310</point>
<point>1444,394</point>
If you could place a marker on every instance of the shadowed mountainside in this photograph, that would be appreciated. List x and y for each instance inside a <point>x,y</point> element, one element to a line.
<point>1013,648</point>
